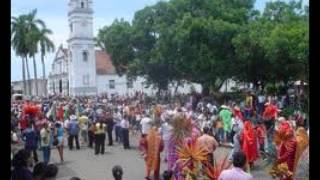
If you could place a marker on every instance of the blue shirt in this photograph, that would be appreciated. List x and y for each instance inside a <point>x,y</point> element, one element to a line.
<point>31,139</point>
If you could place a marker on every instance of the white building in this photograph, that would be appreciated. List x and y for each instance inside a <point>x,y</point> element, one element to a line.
<point>81,69</point>
<point>18,86</point>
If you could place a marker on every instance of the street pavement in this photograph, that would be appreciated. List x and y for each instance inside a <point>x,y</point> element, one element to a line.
<point>85,164</point>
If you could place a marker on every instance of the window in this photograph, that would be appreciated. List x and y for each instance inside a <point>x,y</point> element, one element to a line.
<point>82,5</point>
<point>111,84</point>
<point>85,80</point>
<point>129,84</point>
<point>70,56</point>
<point>85,56</point>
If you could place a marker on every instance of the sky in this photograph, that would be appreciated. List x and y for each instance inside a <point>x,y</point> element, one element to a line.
<point>54,14</point>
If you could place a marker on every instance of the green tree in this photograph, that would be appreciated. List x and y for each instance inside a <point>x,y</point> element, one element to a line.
<point>18,42</point>
<point>116,40</point>
<point>251,63</point>
<point>46,45</point>
<point>287,44</point>
<point>33,37</point>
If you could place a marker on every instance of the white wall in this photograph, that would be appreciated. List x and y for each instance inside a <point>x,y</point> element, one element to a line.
<point>138,85</point>
<point>120,85</point>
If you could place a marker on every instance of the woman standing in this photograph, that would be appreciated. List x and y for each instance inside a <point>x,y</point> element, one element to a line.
<point>59,133</point>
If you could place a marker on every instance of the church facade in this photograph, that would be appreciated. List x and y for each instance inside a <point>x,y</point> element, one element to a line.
<point>81,69</point>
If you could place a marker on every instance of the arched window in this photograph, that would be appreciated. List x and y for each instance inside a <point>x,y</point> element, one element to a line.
<point>85,56</point>
<point>82,4</point>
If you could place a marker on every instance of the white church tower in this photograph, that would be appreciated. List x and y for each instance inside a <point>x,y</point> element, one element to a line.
<point>82,60</point>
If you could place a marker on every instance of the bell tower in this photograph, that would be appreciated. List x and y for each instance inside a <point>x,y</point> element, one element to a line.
<point>82,60</point>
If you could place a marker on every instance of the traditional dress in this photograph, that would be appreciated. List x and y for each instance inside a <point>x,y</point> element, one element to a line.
<point>302,170</point>
<point>287,147</point>
<point>237,113</point>
<point>151,147</point>
<point>302,143</point>
<point>249,142</point>
<point>261,135</point>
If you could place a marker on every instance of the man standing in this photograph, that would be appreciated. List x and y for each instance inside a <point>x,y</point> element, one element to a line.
<point>73,132</point>
<point>125,132</point>
<point>117,117</point>
<point>261,101</point>
<point>208,143</point>
<point>31,139</point>
<point>45,135</point>
<point>110,123</point>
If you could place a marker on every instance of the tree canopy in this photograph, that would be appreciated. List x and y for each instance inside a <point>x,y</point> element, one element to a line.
<point>209,41</point>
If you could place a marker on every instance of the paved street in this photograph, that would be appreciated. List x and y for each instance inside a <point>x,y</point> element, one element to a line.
<point>84,164</point>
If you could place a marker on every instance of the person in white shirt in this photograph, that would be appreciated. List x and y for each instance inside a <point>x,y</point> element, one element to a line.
<point>145,124</point>
<point>166,131</point>
<point>125,132</point>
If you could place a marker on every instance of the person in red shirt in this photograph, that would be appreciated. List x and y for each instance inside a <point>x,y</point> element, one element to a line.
<point>269,116</point>
<point>261,134</point>
<point>60,113</point>
<point>249,143</point>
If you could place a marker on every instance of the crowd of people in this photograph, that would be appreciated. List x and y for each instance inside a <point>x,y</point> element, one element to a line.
<point>253,129</point>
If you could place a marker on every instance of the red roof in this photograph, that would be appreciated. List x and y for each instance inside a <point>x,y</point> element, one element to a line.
<point>104,63</point>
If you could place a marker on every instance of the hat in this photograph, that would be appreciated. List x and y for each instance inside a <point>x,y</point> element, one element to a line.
<point>281,119</point>
<point>73,117</point>
<point>224,107</point>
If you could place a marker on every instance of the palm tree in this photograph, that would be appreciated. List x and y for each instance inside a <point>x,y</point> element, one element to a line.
<point>33,40</point>
<point>18,42</point>
<point>46,45</point>
<point>26,35</point>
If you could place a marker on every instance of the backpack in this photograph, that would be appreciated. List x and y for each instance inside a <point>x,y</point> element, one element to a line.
<point>74,128</point>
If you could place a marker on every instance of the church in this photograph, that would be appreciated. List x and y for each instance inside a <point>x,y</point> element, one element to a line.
<point>82,69</point>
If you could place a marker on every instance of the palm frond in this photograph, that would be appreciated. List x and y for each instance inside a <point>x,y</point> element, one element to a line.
<point>192,157</point>
<point>213,172</point>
